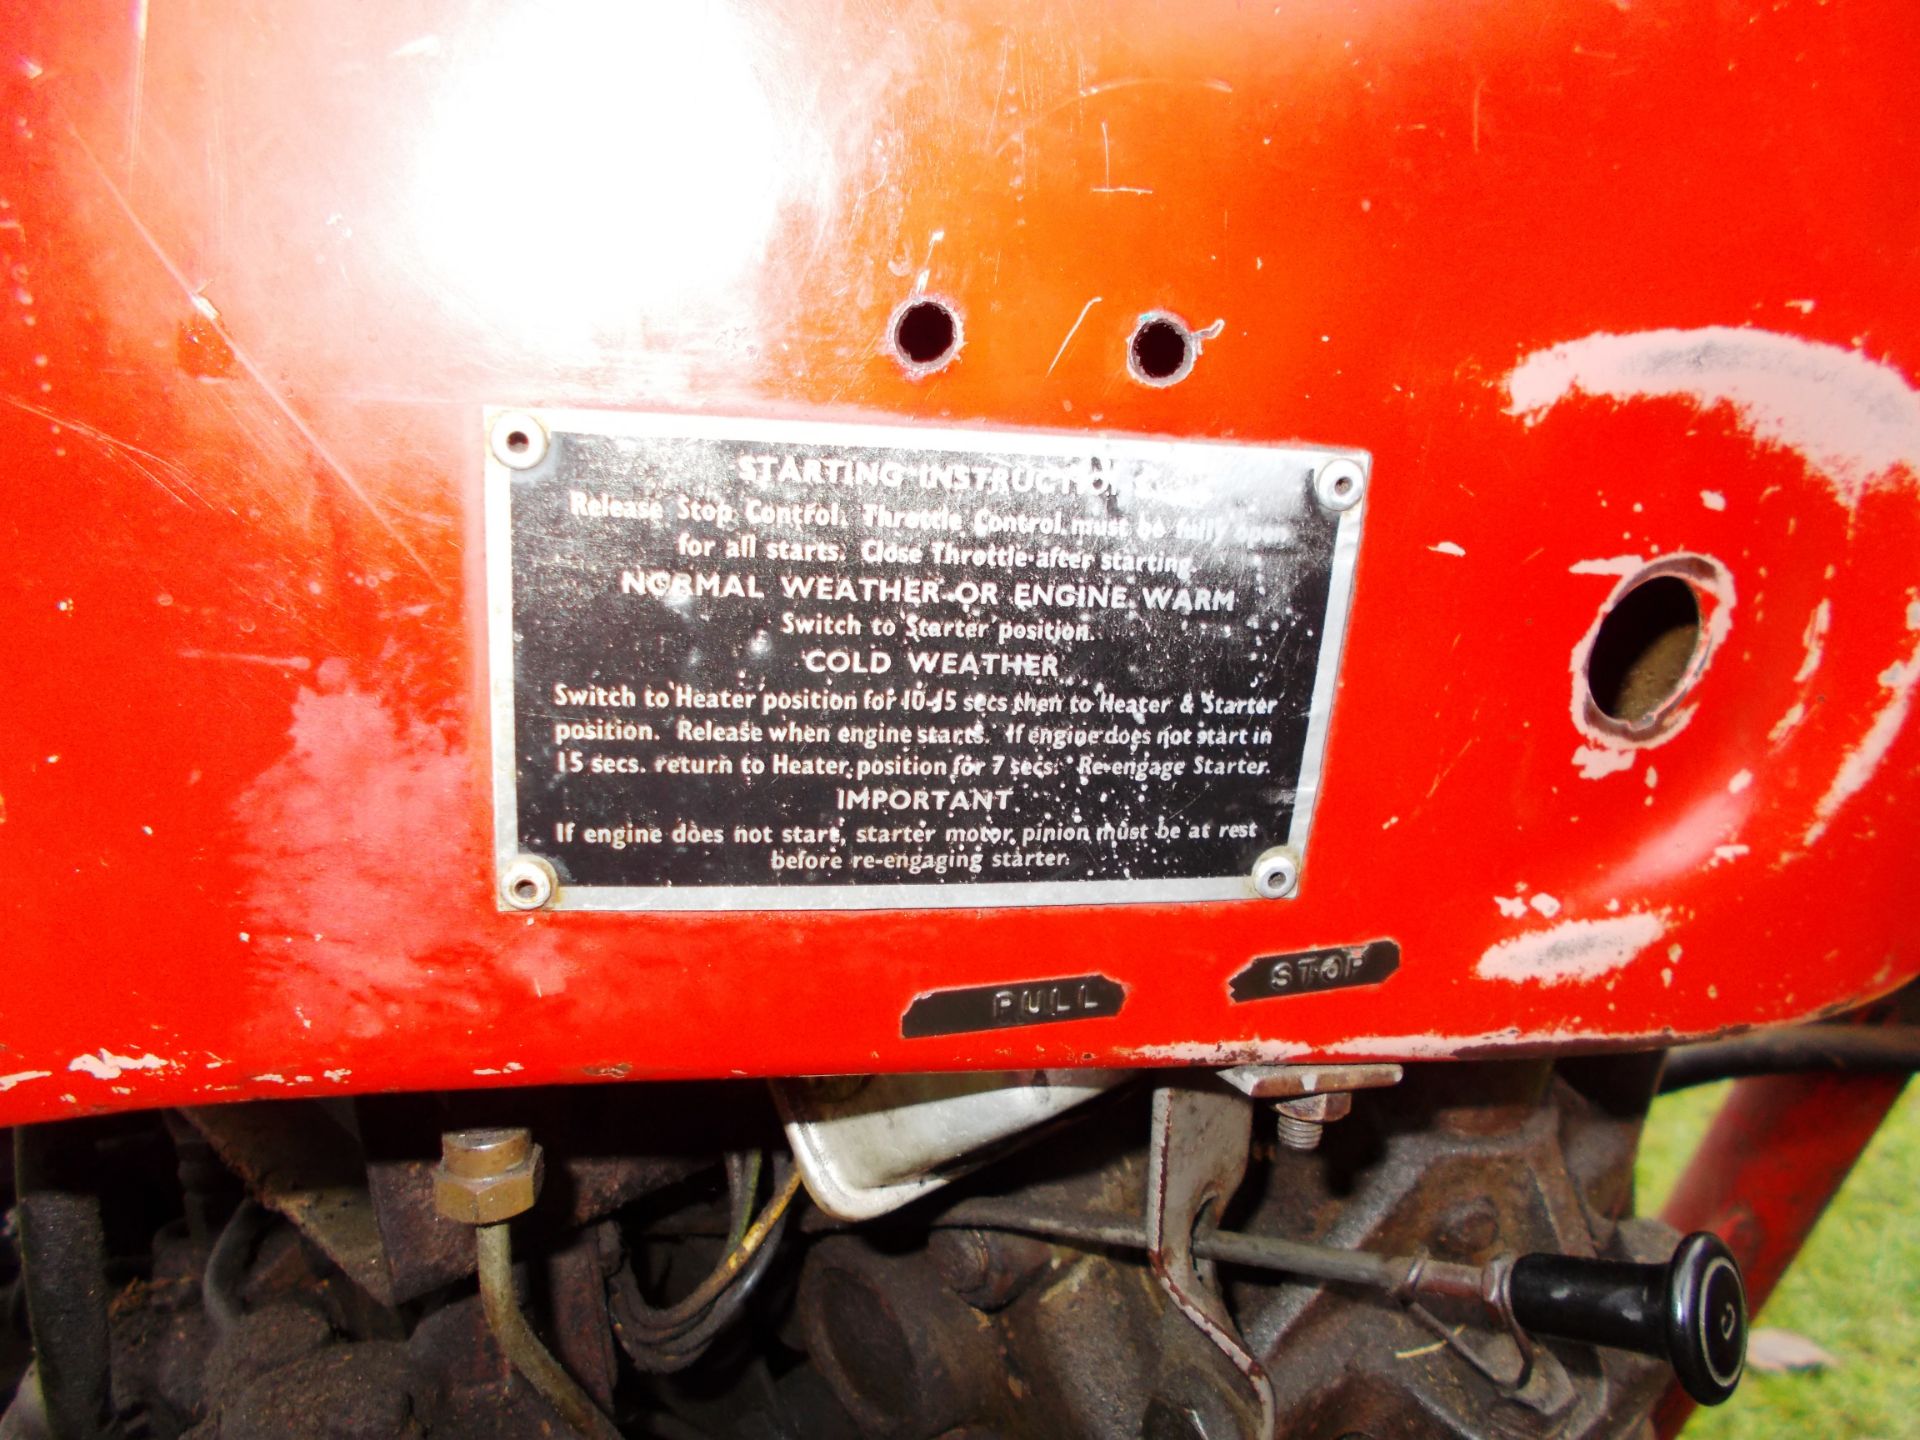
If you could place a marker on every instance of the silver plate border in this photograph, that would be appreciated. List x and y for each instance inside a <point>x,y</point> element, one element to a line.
<point>499,581</point>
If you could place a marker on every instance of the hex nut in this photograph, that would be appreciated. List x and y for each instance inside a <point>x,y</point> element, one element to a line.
<point>487,1176</point>
<point>1321,1109</point>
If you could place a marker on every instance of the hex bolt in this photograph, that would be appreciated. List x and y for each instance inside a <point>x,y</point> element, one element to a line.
<point>1276,873</point>
<point>1339,484</point>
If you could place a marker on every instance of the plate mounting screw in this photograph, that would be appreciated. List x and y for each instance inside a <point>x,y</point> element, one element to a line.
<point>528,883</point>
<point>1276,872</point>
<point>518,441</point>
<point>1339,484</point>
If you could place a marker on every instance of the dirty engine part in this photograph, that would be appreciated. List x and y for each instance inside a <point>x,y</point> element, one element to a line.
<point>1457,1256</point>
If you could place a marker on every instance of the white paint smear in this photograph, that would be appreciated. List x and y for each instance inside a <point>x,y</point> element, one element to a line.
<point>1446,547</point>
<point>1597,761</point>
<point>1422,1047</point>
<point>1741,780</point>
<point>7,1082</point>
<point>1713,500</point>
<point>1815,639</point>
<point>1851,418</point>
<point>1435,1047</point>
<point>1514,908</point>
<point>1571,950</point>
<point>1787,723</point>
<point>1257,1051</point>
<point>1681,844</point>
<point>1546,904</point>
<point>1899,681</point>
<point>1613,565</point>
<point>108,1066</point>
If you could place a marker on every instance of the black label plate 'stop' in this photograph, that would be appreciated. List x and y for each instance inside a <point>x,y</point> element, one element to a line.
<point>1271,977</point>
<point>759,664</point>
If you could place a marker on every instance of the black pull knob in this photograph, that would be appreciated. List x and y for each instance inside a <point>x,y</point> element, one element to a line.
<point>1690,1312</point>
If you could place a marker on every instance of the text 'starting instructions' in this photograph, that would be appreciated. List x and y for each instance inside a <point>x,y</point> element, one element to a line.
<point>788,664</point>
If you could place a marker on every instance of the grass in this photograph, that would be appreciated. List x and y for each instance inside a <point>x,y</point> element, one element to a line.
<point>1855,1289</point>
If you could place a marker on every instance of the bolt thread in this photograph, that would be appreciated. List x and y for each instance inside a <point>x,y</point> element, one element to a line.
<point>1298,1134</point>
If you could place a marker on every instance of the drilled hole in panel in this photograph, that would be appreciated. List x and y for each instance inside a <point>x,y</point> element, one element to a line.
<point>1643,649</point>
<point>925,334</point>
<point>1161,351</point>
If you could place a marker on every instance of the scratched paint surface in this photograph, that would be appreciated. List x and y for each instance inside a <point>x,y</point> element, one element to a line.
<point>263,267</point>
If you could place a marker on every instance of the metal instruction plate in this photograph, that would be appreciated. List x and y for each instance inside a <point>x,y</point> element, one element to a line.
<point>743,664</point>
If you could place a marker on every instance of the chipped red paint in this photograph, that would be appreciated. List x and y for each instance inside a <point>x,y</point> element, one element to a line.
<point>1776,1154</point>
<point>266,263</point>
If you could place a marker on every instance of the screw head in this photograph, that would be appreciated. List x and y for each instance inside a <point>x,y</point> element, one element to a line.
<point>528,883</point>
<point>1276,872</point>
<point>1339,484</point>
<point>517,440</point>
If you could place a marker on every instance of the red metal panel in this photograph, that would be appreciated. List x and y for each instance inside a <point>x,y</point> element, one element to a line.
<point>1776,1155</point>
<point>1590,282</point>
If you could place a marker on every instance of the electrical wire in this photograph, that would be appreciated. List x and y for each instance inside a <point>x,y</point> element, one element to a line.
<point>1832,1049</point>
<point>671,1337</point>
<point>683,1312</point>
<point>748,1187</point>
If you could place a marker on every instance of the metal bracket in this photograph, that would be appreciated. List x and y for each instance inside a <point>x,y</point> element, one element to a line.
<point>866,1145</point>
<point>1293,1082</point>
<point>1196,1159</point>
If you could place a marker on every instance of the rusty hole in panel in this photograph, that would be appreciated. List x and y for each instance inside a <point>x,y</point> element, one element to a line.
<point>1643,652</point>
<point>1161,351</point>
<point>926,335</point>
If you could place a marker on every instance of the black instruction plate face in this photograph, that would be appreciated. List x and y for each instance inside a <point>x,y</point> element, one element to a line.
<point>760,664</point>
